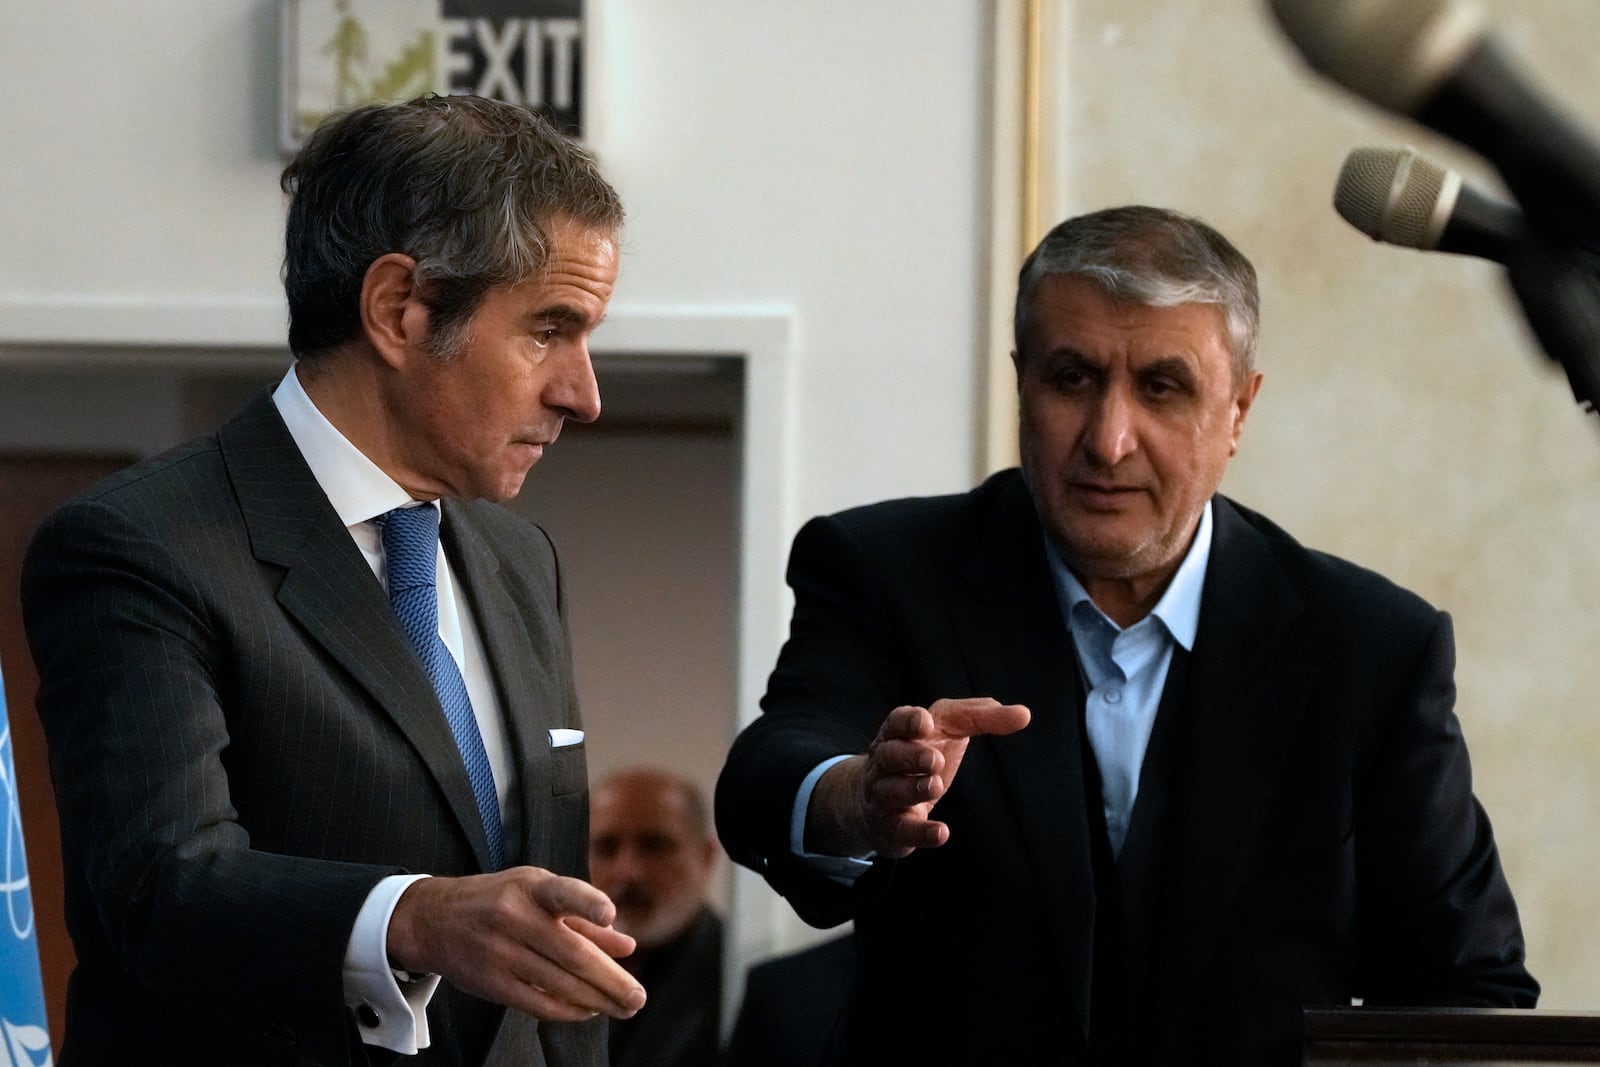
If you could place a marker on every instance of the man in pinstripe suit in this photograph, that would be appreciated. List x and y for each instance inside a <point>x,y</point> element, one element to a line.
<point>254,771</point>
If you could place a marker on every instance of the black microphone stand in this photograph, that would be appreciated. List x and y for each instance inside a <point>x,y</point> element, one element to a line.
<point>1491,107</point>
<point>1559,290</point>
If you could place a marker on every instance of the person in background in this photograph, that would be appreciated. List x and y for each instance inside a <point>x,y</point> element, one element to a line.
<point>789,1014</point>
<point>651,851</point>
<point>1106,767</point>
<point>306,689</point>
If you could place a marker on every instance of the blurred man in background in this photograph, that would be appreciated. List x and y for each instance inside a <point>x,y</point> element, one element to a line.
<point>651,851</point>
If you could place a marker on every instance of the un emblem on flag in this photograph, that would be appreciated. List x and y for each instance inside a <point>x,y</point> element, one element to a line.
<point>25,1041</point>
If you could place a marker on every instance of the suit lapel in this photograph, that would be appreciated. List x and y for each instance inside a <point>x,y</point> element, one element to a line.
<point>526,680</point>
<point>1019,650</point>
<point>1246,694</point>
<point>329,589</point>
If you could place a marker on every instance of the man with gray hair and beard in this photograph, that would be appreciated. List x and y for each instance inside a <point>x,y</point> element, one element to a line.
<point>1106,767</point>
<point>306,688</point>
<point>651,851</point>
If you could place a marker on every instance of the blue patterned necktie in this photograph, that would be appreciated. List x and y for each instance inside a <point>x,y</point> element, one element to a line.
<point>410,549</point>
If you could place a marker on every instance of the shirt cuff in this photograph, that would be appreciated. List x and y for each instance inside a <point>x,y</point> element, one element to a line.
<point>842,869</point>
<point>390,1013</point>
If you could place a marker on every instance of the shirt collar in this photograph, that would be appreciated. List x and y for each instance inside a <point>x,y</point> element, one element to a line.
<point>357,488</point>
<point>1179,607</point>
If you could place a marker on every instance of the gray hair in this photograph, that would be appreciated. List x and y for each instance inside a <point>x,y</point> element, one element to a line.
<point>466,186</point>
<point>1154,257</point>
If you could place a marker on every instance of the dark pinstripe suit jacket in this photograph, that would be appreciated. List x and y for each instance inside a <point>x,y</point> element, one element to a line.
<point>242,744</point>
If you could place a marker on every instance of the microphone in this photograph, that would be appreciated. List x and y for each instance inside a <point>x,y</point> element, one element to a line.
<point>1435,61</point>
<point>1395,196</point>
<point>1398,197</point>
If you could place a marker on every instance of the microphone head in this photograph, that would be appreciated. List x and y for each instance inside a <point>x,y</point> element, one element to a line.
<point>1396,53</point>
<point>1396,196</point>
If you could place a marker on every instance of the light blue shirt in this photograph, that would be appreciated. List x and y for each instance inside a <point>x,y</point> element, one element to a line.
<point>1125,670</point>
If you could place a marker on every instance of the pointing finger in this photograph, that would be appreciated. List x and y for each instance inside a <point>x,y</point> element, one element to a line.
<point>971,716</point>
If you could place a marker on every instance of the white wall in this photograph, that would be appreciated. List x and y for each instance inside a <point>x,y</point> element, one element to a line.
<point>824,156</point>
<point>821,156</point>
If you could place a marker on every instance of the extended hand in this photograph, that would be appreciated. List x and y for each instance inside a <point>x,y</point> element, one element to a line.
<point>526,938</point>
<point>880,802</point>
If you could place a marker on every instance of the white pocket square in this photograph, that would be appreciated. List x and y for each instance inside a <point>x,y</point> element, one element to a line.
<point>564,738</point>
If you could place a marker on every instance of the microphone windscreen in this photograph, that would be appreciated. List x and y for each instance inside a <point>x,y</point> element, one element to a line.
<point>1395,53</point>
<point>1395,196</point>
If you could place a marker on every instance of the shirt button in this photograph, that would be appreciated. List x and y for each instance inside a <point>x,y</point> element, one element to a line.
<point>367,1016</point>
<point>1113,696</point>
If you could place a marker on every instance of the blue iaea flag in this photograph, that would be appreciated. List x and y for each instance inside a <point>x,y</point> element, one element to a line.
<point>24,1033</point>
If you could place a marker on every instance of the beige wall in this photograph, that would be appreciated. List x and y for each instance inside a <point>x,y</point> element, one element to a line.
<point>1406,421</point>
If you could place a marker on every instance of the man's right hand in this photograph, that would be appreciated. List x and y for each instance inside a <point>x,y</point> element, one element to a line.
<point>525,937</point>
<point>880,802</point>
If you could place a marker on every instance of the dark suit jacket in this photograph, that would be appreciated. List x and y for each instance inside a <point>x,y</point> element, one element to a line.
<point>680,1025</point>
<point>243,743</point>
<point>1315,839</point>
<point>791,1007</point>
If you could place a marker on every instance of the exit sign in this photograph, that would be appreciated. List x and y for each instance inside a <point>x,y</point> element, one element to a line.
<point>338,54</point>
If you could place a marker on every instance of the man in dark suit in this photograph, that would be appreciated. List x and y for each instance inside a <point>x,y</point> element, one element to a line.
<point>1226,782</point>
<point>277,700</point>
<point>791,1006</point>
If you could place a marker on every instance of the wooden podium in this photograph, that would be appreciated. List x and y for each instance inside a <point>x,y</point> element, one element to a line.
<point>1462,1037</point>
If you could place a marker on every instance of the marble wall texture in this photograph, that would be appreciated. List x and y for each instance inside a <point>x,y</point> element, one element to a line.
<point>1407,420</point>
